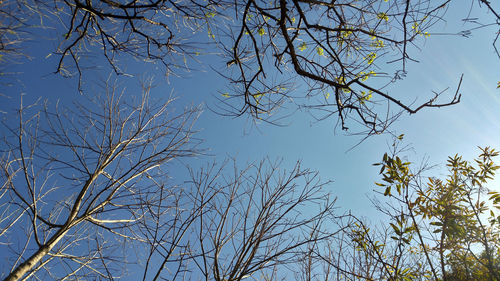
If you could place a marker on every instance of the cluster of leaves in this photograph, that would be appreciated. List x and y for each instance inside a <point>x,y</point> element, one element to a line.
<point>451,225</point>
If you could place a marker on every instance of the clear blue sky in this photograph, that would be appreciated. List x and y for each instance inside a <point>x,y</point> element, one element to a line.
<point>433,133</point>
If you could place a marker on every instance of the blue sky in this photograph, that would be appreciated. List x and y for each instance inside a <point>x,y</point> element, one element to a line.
<point>433,134</point>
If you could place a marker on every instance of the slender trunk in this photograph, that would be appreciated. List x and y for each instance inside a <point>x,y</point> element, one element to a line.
<point>32,261</point>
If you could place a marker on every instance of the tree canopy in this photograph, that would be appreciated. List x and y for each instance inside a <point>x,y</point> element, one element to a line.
<point>346,52</point>
<point>99,189</point>
<point>443,229</point>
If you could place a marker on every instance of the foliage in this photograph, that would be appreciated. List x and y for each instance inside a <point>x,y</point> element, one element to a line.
<point>436,229</point>
<point>451,225</point>
<point>87,190</point>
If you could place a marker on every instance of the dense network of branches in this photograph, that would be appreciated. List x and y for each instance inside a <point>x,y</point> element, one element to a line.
<point>71,178</point>
<point>86,193</point>
<point>338,49</point>
<point>346,53</point>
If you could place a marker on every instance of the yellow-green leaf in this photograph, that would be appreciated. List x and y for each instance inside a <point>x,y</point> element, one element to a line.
<point>303,46</point>
<point>383,16</point>
<point>370,58</point>
<point>320,51</point>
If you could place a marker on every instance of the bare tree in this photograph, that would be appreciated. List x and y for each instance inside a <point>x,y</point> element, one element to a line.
<point>161,31</point>
<point>13,31</point>
<point>87,193</point>
<point>76,181</point>
<point>235,224</point>
<point>262,221</point>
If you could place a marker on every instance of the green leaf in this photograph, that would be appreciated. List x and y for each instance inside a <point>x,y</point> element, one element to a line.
<point>395,228</point>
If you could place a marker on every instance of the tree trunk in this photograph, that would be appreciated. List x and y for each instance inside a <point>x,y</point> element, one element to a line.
<point>28,264</point>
